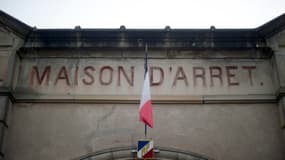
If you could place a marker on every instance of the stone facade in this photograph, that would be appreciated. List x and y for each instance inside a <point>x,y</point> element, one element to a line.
<point>74,93</point>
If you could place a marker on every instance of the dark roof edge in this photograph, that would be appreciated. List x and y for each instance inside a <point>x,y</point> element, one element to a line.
<point>267,30</point>
<point>18,27</point>
<point>272,27</point>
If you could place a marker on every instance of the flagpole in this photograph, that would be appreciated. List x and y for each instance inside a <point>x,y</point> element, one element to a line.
<point>145,71</point>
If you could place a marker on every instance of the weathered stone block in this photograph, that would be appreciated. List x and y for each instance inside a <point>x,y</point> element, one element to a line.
<point>281,39</point>
<point>281,106</point>
<point>280,62</point>
<point>3,69</point>
<point>3,135</point>
<point>6,40</point>
<point>5,104</point>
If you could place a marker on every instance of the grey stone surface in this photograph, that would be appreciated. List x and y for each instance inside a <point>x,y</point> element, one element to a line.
<point>222,131</point>
<point>3,69</point>
<point>3,138</point>
<point>280,61</point>
<point>279,39</point>
<point>8,48</point>
<point>281,106</point>
<point>277,43</point>
<point>5,105</point>
<point>6,39</point>
<point>9,45</point>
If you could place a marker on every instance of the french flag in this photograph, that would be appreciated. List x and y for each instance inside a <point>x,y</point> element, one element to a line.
<point>145,103</point>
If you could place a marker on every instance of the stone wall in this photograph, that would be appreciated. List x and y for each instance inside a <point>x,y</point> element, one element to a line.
<point>277,43</point>
<point>220,131</point>
<point>9,44</point>
<point>231,119</point>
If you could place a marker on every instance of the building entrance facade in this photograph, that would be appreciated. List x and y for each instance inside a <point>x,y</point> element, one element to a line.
<point>217,94</point>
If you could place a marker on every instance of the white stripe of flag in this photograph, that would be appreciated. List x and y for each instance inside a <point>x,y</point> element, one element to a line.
<point>145,103</point>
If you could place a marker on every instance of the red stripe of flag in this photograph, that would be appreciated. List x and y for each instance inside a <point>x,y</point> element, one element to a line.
<point>145,103</point>
<point>149,154</point>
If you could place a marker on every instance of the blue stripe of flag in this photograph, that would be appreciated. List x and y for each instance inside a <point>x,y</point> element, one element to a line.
<point>141,144</point>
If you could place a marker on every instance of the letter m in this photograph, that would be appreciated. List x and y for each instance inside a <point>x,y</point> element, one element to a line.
<point>40,78</point>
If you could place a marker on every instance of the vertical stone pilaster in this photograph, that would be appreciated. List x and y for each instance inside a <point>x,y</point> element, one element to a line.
<point>5,106</point>
<point>281,106</point>
<point>9,45</point>
<point>277,43</point>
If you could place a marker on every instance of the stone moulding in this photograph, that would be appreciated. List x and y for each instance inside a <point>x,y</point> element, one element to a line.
<point>210,99</point>
<point>124,153</point>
